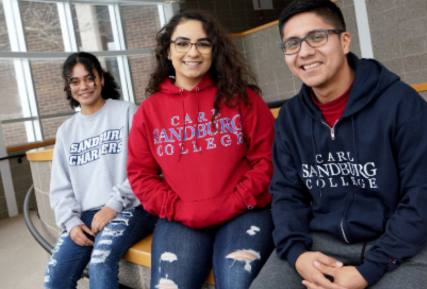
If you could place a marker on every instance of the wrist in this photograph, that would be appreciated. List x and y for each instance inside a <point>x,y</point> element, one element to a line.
<point>295,252</point>
<point>372,272</point>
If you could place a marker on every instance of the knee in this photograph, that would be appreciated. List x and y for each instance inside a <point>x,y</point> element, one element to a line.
<point>100,265</point>
<point>53,277</point>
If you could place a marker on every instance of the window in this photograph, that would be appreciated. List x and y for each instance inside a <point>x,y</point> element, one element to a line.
<point>33,100</point>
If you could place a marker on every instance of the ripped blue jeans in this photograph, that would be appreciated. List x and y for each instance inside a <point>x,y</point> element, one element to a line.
<point>182,257</point>
<point>68,259</point>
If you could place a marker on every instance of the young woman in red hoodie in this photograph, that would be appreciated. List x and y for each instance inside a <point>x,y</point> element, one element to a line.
<point>200,158</point>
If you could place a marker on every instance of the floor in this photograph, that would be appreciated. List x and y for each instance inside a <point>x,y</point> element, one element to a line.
<point>22,259</point>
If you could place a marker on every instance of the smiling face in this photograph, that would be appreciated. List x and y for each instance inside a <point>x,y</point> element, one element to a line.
<point>322,67</point>
<point>86,89</point>
<point>190,67</point>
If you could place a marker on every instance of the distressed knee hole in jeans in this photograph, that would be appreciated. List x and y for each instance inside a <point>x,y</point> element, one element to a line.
<point>115,228</point>
<point>246,256</point>
<point>253,230</point>
<point>52,260</point>
<point>166,284</point>
<point>168,257</point>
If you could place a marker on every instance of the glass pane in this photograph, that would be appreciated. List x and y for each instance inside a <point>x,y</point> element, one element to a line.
<point>141,67</point>
<point>42,26</point>
<point>4,38</point>
<point>93,27</point>
<point>10,107</point>
<point>110,64</point>
<point>49,87</point>
<point>140,25</point>
<point>16,133</point>
<point>51,125</point>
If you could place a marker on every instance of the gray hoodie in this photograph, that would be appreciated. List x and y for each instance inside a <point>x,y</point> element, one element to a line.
<point>89,164</point>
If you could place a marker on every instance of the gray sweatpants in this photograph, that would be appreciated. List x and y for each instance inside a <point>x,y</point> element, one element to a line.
<point>277,273</point>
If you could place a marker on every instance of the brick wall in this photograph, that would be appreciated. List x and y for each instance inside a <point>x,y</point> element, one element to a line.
<point>49,86</point>
<point>42,26</point>
<point>51,125</point>
<point>9,98</point>
<point>4,38</point>
<point>140,25</point>
<point>14,133</point>
<point>141,67</point>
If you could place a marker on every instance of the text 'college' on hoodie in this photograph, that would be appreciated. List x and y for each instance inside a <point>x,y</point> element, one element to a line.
<point>211,174</point>
<point>364,178</point>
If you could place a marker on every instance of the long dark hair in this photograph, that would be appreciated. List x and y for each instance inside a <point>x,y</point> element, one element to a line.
<point>229,71</point>
<point>90,62</point>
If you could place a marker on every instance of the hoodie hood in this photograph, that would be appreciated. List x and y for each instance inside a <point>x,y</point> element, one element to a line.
<point>370,81</point>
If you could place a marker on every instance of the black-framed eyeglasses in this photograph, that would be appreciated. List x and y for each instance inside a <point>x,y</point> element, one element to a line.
<point>183,46</point>
<point>314,39</point>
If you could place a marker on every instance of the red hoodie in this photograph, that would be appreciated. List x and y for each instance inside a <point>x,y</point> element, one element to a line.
<point>207,179</point>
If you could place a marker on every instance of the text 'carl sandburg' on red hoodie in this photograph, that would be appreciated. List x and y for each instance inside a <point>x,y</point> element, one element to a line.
<point>209,175</point>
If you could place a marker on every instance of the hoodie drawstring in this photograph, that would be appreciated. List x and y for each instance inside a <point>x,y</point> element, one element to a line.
<point>356,157</point>
<point>197,122</point>
<point>315,155</point>
<point>183,133</point>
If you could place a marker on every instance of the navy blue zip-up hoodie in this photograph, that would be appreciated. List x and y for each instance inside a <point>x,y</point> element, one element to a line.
<point>365,178</point>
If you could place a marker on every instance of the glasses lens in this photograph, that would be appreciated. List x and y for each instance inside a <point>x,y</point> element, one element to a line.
<point>182,46</point>
<point>204,47</point>
<point>317,38</point>
<point>291,46</point>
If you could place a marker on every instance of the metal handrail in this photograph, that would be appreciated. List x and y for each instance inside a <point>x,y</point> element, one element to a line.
<point>45,244</point>
<point>20,156</point>
<point>39,238</point>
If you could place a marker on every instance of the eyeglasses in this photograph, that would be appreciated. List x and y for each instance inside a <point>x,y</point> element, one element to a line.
<point>314,39</point>
<point>183,46</point>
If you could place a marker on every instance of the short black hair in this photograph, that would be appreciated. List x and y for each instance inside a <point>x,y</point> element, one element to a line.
<point>90,62</point>
<point>326,9</point>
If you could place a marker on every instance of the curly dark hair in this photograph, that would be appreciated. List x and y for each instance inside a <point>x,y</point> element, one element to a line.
<point>229,71</point>
<point>90,62</point>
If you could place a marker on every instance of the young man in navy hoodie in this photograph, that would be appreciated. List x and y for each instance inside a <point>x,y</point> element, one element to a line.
<point>350,165</point>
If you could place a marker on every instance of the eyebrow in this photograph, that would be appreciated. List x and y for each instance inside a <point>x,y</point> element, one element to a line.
<point>185,38</point>
<point>308,33</point>
<point>71,78</point>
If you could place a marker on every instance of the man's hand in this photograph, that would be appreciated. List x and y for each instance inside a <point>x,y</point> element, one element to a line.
<point>347,276</point>
<point>102,218</point>
<point>77,234</point>
<point>305,267</point>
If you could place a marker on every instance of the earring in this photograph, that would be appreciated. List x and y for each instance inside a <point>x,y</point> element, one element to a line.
<point>169,57</point>
<point>102,86</point>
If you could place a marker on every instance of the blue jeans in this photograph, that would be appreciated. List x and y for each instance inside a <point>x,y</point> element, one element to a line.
<point>68,259</point>
<point>236,250</point>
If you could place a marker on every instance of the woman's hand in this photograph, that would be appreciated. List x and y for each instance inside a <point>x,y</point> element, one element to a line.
<point>77,234</point>
<point>102,218</point>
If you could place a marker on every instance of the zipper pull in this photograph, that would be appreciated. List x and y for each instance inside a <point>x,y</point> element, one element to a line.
<point>332,133</point>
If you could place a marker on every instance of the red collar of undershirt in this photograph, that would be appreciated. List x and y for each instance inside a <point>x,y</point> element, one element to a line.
<point>334,105</point>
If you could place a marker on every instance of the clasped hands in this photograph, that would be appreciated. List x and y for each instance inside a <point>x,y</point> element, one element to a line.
<point>99,221</point>
<point>313,266</point>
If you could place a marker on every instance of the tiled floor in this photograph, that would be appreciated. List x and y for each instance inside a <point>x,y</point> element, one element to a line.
<point>22,259</point>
